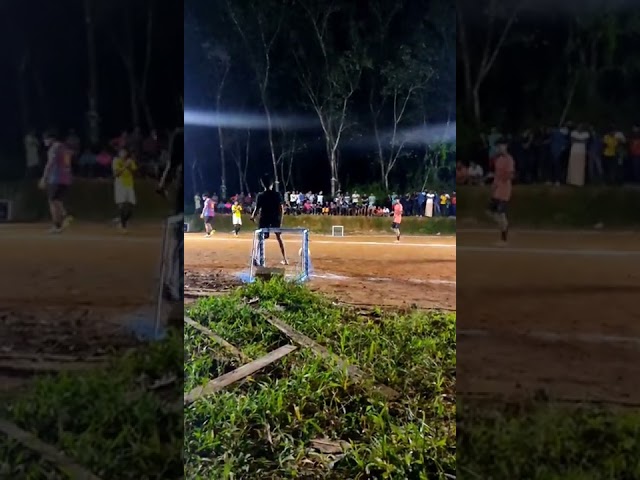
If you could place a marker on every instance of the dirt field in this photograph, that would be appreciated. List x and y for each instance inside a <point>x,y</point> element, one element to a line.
<point>66,294</point>
<point>371,270</point>
<point>553,311</point>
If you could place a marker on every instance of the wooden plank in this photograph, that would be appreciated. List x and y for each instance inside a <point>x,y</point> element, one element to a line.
<point>21,366</point>
<point>217,338</point>
<point>321,351</point>
<point>238,374</point>
<point>67,466</point>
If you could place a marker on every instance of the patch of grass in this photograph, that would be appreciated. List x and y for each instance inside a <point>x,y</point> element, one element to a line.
<point>352,225</point>
<point>264,427</point>
<point>543,441</point>
<point>16,461</point>
<point>112,421</point>
<point>563,207</point>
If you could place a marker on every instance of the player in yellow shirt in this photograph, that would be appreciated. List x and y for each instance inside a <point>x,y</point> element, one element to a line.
<point>124,166</point>
<point>236,217</point>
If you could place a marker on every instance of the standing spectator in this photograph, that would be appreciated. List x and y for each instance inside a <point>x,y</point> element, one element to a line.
<point>578,156</point>
<point>559,144</point>
<point>422,200</point>
<point>443,204</point>
<point>634,153</point>
<point>32,154</point>
<point>612,141</point>
<point>87,163</point>
<point>197,201</point>
<point>371,204</point>
<point>526,156</point>
<point>453,204</point>
<point>430,204</point>
<point>594,156</point>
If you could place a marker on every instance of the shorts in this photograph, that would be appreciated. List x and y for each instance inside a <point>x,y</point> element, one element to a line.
<point>498,206</point>
<point>236,221</point>
<point>269,223</point>
<point>395,225</point>
<point>56,191</point>
<point>208,220</point>
<point>124,194</point>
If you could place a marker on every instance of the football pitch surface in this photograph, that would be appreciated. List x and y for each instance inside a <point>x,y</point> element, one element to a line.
<point>69,294</point>
<point>363,269</point>
<point>553,311</point>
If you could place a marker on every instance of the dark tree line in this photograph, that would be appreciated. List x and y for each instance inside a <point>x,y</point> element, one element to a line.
<point>527,64</point>
<point>365,71</point>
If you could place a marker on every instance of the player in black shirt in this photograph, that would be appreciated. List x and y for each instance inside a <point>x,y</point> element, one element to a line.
<point>270,207</point>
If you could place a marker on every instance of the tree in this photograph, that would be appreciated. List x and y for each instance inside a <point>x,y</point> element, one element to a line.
<point>474,78</point>
<point>259,28</point>
<point>328,74</point>
<point>402,78</point>
<point>93,117</point>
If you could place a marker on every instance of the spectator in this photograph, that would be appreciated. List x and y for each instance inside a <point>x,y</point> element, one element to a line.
<point>476,174</point>
<point>595,147</point>
<point>103,163</point>
<point>88,163</point>
<point>371,203</point>
<point>578,157</point>
<point>612,141</point>
<point>634,153</point>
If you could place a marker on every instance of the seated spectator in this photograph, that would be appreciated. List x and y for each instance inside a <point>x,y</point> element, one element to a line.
<point>87,163</point>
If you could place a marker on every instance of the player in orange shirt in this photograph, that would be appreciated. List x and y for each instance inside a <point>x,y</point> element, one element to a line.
<point>397,218</point>
<point>501,188</point>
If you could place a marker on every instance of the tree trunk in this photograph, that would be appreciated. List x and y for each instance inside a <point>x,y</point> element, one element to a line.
<point>476,104</point>
<point>23,93</point>
<point>223,172</point>
<point>274,162</point>
<point>133,98</point>
<point>147,63</point>
<point>93,117</point>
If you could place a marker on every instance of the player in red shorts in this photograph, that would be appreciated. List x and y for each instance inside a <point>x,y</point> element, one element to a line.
<point>397,218</point>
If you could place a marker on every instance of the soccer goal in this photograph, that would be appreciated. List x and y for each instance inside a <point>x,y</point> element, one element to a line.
<point>299,268</point>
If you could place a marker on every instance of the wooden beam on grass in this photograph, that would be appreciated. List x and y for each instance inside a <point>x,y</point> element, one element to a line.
<point>323,352</point>
<point>238,374</point>
<point>29,440</point>
<point>218,339</point>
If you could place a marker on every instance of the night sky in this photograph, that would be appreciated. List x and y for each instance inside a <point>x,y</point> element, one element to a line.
<point>56,78</point>
<point>528,83</point>
<point>208,22</point>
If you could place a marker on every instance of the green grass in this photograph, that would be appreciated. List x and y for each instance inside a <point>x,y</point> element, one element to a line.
<point>556,207</point>
<point>263,428</point>
<point>88,200</point>
<point>352,225</point>
<point>109,420</point>
<point>543,441</point>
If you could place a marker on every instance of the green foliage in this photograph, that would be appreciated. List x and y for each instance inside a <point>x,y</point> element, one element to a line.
<point>264,427</point>
<point>108,420</point>
<point>541,441</point>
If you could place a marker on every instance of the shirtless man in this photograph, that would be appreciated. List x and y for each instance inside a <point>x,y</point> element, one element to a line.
<point>501,189</point>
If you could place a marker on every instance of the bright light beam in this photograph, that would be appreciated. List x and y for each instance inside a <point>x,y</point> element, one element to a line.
<point>247,121</point>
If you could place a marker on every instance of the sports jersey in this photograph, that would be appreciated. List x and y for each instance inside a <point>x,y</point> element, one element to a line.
<point>209,208</point>
<point>123,172</point>
<point>59,158</point>
<point>236,211</point>
<point>397,213</point>
<point>502,181</point>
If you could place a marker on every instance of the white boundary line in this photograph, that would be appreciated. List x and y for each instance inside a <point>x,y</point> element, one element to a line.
<point>550,232</point>
<point>333,276</point>
<point>552,251</point>
<point>334,242</point>
<point>61,237</point>
<point>592,338</point>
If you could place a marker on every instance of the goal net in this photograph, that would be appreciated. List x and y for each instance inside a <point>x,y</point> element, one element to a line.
<point>266,257</point>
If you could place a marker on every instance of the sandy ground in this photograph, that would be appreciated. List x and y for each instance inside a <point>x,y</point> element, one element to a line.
<point>555,311</point>
<point>66,294</point>
<point>371,270</point>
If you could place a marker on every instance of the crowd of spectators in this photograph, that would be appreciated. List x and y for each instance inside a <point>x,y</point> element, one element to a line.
<point>94,161</point>
<point>573,154</point>
<point>428,203</point>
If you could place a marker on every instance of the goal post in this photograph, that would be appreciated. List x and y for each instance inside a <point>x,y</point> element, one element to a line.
<point>299,270</point>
